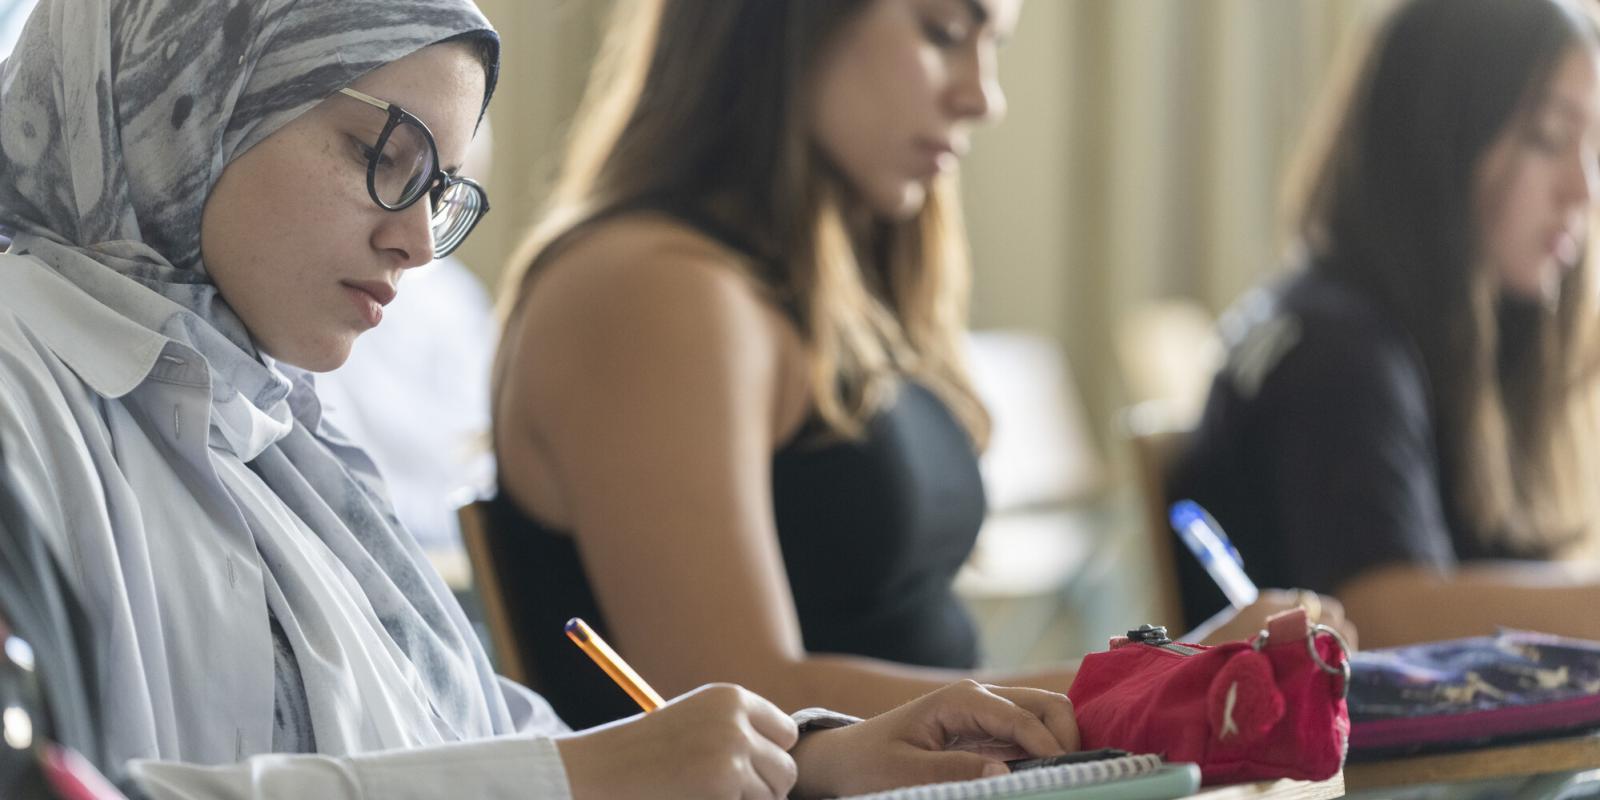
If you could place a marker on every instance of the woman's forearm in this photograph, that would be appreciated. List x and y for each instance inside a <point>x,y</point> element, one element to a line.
<point>867,686</point>
<point>1403,604</point>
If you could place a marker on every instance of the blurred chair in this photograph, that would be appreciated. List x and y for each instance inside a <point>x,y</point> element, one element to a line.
<point>491,593</point>
<point>1040,452</point>
<point>1153,451</point>
<point>1042,475</point>
<point>1168,351</point>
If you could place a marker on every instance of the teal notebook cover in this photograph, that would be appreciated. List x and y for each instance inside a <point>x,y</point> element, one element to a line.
<point>1139,777</point>
<point>1168,781</point>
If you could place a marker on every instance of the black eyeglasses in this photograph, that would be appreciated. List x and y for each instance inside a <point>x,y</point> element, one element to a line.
<point>403,165</point>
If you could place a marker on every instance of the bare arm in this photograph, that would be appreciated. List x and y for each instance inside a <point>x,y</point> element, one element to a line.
<point>654,384</point>
<point>1403,604</point>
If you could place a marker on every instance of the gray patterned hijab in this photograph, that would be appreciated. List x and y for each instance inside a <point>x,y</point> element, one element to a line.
<point>116,119</point>
<point>118,116</point>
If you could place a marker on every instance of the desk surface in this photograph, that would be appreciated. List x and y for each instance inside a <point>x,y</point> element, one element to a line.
<point>1276,790</point>
<point>1568,754</point>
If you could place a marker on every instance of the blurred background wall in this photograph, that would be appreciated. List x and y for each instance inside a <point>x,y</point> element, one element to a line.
<point>1140,164</point>
<point>1141,157</point>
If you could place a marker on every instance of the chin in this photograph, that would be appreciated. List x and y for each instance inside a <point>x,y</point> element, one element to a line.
<point>903,203</point>
<point>1533,290</point>
<point>1550,289</point>
<point>320,356</point>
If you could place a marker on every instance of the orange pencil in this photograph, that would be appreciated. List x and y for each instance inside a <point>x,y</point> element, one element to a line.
<point>590,642</point>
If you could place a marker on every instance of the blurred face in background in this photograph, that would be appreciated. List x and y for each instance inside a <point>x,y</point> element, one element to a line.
<point>1535,185</point>
<point>899,90</point>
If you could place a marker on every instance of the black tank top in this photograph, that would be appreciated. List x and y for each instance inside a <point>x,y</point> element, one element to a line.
<point>872,533</point>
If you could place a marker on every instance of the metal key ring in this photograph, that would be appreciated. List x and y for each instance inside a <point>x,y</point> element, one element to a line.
<point>1343,670</point>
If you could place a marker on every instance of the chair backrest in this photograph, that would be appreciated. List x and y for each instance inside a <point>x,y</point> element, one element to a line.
<point>497,607</point>
<point>1168,352</point>
<point>1154,447</point>
<point>1041,451</point>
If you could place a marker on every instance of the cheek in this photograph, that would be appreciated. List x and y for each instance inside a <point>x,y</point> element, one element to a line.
<point>899,92</point>
<point>1516,229</point>
<point>272,226</point>
<point>1498,201</point>
<point>879,92</point>
<point>1519,215</point>
<point>310,199</point>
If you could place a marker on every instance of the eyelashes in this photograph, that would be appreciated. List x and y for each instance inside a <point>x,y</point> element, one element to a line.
<point>363,154</point>
<point>944,35</point>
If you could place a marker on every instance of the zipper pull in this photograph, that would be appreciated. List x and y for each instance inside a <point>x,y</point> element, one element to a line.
<point>1149,634</point>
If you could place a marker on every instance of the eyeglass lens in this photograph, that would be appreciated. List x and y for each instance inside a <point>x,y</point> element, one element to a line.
<point>405,163</point>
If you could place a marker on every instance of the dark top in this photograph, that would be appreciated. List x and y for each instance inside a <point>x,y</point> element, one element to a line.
<point>872,534</point>
<point>1316,451</point>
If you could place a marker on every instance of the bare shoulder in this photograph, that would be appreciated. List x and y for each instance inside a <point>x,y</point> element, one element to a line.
<point>642,294</point>
<point>647,260</point>
<point>647,330</point>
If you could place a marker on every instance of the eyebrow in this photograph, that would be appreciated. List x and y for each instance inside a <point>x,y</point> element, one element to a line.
<point>378,102</point>
<point>1566,108</point>
<point>980,14</point>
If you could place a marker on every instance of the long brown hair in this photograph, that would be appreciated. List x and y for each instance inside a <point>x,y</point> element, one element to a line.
<point>704,105</point>
<point>1385,203</point>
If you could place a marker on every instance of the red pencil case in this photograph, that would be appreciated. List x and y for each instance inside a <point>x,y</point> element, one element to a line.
<point>1268,708</point>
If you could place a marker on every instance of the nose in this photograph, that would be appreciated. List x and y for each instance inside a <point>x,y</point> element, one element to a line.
<point>976,94</point>
<point>406,236</point>
<point>1582,178</point>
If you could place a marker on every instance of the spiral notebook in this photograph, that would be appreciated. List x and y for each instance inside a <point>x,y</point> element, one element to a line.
<point>1141,777</point>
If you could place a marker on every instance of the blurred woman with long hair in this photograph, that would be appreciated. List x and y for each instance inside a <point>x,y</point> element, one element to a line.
<point>1409,421</point>
<point>731,412</point>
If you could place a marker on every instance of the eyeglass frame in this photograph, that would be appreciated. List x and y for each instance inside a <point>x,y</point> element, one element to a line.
<point>436,184</point>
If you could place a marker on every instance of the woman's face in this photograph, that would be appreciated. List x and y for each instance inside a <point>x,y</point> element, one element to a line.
<point>1535,186</point>
<point>899,90</point>
<point>292,239</point>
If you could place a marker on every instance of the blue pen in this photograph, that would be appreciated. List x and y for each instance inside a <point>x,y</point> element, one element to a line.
<point>1211,546</point>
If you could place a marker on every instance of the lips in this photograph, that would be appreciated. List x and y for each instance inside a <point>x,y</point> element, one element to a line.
<point>369,298</point>
<point>1563,245</point>
<point>936,155</point>
<point>382,292</point>
<point>940,145</point>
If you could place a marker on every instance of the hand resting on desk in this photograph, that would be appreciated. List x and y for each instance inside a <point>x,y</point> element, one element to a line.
<point>1229,625</point>
<point>965,730</point>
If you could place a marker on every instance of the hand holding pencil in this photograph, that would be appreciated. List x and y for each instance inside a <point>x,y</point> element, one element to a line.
<point>715,741</point>
<point>724,741</point>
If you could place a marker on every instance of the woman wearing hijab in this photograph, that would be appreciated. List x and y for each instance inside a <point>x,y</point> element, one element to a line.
<point>210,201</point>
